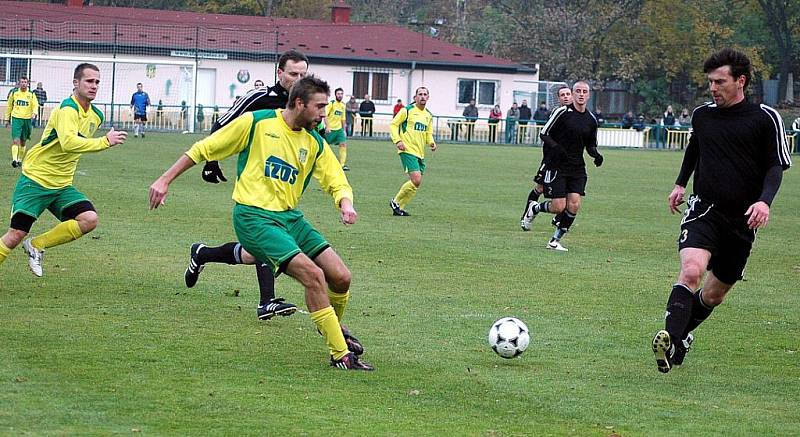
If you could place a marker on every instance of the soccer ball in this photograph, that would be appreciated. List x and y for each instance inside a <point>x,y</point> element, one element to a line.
<point>509,337</point>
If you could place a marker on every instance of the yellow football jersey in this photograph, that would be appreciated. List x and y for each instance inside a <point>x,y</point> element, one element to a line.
<point>66,137</point>
<point>334,115</point>
<point>22,104</point>
<point>414,127</point>
<point>275,163</point>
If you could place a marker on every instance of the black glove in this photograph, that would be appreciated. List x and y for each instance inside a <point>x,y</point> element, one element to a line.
<point>212,173</point>
<point>598,160</point>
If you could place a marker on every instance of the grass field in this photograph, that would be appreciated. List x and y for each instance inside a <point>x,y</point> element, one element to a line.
<point>110,341</point>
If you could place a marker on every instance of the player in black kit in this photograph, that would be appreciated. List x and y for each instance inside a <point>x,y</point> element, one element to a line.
<point>737,152</point>
<point>292,66</point>
<point>570,130</point>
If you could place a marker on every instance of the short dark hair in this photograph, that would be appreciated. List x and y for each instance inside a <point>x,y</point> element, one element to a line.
<point>78,74</point>
<point>738,61</point>
<point>291,55</point>
<point>304,88</point>
<point>337,90</point>
<point>421,88</point>
<point>139,83</point>
<point>22,78</point>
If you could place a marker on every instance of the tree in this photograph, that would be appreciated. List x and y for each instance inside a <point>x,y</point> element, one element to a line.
<point>782,17</point>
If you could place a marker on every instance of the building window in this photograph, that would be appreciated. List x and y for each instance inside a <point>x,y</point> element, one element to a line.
<point>486,91</point>
<point>11,69</point>
<point>373,83</point>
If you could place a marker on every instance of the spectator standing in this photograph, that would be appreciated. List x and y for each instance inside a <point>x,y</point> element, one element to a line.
<point>601,118</point>
<point>470,115</point>
<point>494,119</point>
<point>524,117</point>
<point>351,109</point>
<point>397,107</point>
<point>512,116</point>
<point>542,114</point>
<point>628,120</point>
<point>685,119</point>
<point>366,110</point>
<point>41,97</point>
<point>160,113</point>
<point>184,115</point>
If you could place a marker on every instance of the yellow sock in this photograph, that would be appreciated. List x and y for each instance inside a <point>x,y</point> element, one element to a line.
<point>328,325</point>
<point>339,302</point>
<point>406,193</point>
<point>22,152</point>
<point>342,155</point>
<point>4,251</point>
<point>61,233</point>
<point>15,152</point>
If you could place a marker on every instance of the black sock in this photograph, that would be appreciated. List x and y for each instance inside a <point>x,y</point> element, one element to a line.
<point>679,311</point>
<point>700,312</point>
<point>533,196</point>
<point>542,207</point>
<point>228,253</point>
<point>566,220</point>
<point>266,282</point>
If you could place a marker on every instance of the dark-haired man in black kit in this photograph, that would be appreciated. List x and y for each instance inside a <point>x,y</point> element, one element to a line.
<point>570,130</point>
<point>738,153</point>
<point>292,66</point>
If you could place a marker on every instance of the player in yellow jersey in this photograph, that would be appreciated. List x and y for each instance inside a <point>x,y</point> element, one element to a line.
<point>278,153</point>
<point>412,130</point>
<point>22,105</point>
<point>334,126</point>
<point>49,169</point>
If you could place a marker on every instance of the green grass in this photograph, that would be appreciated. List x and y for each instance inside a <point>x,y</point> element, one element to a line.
<point>110,341</point>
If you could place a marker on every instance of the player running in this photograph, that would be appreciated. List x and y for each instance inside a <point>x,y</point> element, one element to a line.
<point>22,105</point>
<point>569,131</point>
<point>49,169</point>
<point>292,65</point>
<point>737,153</point>
<point>278,153</point>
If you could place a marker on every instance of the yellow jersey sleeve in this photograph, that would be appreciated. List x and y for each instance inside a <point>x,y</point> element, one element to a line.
<point>394,126</point>
<point>328,172</point>
<point>230,140</point>
<point>68,127</point>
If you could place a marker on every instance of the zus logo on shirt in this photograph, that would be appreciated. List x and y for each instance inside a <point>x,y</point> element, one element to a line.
<point>277,168</point>
<point>421,127</point>
<point>21,103</point>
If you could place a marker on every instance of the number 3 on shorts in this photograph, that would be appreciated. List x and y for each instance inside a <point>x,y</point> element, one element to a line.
<point>684,235</point>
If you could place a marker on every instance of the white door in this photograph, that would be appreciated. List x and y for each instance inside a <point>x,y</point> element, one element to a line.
<point>207,87</point>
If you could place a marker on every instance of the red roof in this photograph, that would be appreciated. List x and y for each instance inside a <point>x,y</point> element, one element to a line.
<point>174,29</point>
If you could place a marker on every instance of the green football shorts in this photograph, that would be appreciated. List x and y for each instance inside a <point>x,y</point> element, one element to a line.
<point>276,237</point>
<point>20,128</point>
<point>32,199</point>
<point>336,137</point>
<point>412,163</point>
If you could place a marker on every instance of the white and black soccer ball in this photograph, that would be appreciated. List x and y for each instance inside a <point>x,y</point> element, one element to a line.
<point>509,337</point>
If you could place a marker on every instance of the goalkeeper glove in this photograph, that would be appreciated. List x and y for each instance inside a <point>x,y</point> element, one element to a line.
<point>212,173</point>
<point>598,160</point>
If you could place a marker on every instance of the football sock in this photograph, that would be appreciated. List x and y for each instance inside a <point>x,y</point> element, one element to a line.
<point>533,196</point>
<point>562,222</point>
<point>61,233</point>
<point>406,193</point>
<point>4,251</point>
<point>266,282</point>
<point>339,302</point>
<point>228,253</point>
<point>542,207</point>
<point>700,312</point>
<point>342,155</point>
<point>22,152</point>
<point>679,311</point>
<point>15,152</point>
<point>328,325</point>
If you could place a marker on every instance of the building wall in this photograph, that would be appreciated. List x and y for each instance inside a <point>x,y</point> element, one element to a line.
<point>233,78</point>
